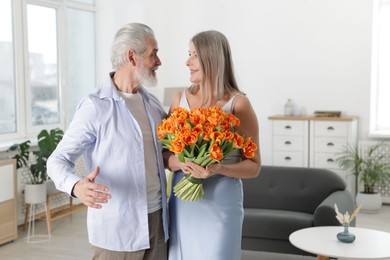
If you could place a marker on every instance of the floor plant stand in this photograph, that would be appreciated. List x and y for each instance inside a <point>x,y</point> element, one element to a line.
<point>32,237</point>
<point>52,211</point>
<point>35,195</point>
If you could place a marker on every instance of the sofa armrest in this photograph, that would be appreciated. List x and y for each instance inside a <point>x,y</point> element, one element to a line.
<point>325,214</point>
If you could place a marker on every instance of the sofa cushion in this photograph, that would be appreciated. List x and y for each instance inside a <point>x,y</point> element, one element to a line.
<point>290,188</point>
<point>274,224</point>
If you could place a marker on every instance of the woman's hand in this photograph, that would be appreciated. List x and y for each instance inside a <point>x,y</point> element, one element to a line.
<point>198,171</point>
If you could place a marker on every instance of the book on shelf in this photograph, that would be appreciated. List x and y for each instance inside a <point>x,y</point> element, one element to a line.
<point>327,113</point>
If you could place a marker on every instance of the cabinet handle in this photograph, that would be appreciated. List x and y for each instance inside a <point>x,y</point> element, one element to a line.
<point>330,128</point>
<point>330,160</point>
<point>330,144</point>
<point>287,127</point>
<point>287,142</point>
<point>287,158</point>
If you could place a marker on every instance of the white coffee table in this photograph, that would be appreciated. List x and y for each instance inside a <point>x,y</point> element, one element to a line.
<point>322,241</point>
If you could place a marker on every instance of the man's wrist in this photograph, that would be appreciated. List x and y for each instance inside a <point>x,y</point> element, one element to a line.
<point>72,192</point>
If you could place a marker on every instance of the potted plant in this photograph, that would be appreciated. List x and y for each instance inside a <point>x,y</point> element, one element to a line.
<point>371,170</point>
<point>33,162</point>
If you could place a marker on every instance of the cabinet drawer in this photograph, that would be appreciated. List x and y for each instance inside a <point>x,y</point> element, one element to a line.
<point>7,231</point>
<point>7,211</point>
<point>288,143</point>
<point>325,160</point>
<point>329,145</point>
<point>330,128</point>
<point>8,225</point>
<point>294,159</point>
<point>288,127</point>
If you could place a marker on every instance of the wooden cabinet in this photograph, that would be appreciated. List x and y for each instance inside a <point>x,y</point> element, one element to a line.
<point>308,141</point>
<point>8,219</point>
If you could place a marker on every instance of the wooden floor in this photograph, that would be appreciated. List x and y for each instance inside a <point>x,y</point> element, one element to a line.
<point>69,240</point>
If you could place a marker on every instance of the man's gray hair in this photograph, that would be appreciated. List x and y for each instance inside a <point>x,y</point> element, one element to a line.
<point>132,36</point>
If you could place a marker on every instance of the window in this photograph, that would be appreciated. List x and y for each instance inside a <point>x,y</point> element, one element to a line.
<point>380,76</point>
<point>43,81</point>
<point>7,73</point>
<point>47,49</point>
<point>81,49</point>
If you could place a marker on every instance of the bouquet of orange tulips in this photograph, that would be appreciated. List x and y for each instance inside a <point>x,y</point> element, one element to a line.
<point>203,136</point>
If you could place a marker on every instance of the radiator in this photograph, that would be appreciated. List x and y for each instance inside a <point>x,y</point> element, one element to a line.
<point>384,151</point>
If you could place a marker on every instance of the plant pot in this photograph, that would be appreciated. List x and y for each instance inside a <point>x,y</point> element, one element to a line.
<point>371,203</point>
<point>35,193</point>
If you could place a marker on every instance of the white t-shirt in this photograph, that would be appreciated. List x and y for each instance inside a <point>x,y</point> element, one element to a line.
<point>135,105</point>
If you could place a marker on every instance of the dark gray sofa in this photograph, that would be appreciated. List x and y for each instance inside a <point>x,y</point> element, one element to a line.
<point>285,199</point>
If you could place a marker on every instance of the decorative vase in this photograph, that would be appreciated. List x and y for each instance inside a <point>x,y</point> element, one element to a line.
<point>289,108</point>
<point>346,236</point>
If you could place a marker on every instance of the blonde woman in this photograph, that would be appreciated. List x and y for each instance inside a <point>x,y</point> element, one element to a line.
<point>210,228</point>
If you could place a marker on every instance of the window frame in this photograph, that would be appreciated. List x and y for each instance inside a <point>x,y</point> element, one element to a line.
<point>374,130</point>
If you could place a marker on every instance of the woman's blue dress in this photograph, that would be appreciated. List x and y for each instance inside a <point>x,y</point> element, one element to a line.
<point>210,228</point>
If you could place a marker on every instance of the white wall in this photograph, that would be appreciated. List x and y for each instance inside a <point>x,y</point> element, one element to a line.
<point>314,51</point>
<point>110,16</point>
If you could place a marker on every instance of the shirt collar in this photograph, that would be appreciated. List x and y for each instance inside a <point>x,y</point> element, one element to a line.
<point>109,90</point>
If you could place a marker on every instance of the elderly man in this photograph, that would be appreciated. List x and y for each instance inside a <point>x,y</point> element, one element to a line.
<point>114,127</point>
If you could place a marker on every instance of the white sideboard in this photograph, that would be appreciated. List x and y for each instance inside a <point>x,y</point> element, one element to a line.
<point>8,219</point>
<point>309,141</point>
<point>290,143</point>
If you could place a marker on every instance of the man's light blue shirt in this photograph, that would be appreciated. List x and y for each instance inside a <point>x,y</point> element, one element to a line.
<point>105,132</point>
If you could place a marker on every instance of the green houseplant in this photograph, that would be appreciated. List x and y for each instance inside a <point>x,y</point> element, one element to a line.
<point>371,169</point>
<point>34,160</point>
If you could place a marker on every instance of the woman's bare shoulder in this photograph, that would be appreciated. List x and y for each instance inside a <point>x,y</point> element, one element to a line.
<point>242,104</point>
<point>175,102</point>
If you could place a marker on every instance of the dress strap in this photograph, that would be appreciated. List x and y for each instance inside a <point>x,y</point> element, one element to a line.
<point>228,107</point>
<point>184,101</point>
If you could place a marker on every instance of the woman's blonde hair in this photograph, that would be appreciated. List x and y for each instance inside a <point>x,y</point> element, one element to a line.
<point>213,50</point>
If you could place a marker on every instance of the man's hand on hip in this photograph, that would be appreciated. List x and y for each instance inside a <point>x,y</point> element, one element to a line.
<point>90,193</point>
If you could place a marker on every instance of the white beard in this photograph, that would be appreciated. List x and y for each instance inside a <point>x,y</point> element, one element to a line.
<point>146,76</point>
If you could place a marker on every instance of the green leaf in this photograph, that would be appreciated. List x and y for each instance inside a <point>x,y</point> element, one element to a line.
<point>47,142</point>
<point>228,148</point>
<point>202,150</point>
<point>23,156</point>
<point>208,162</point>
<point>181,157</point>
<point>200,140</point>
<point>192,150</point>
<point>165,142</point>
<point>200,160</point>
